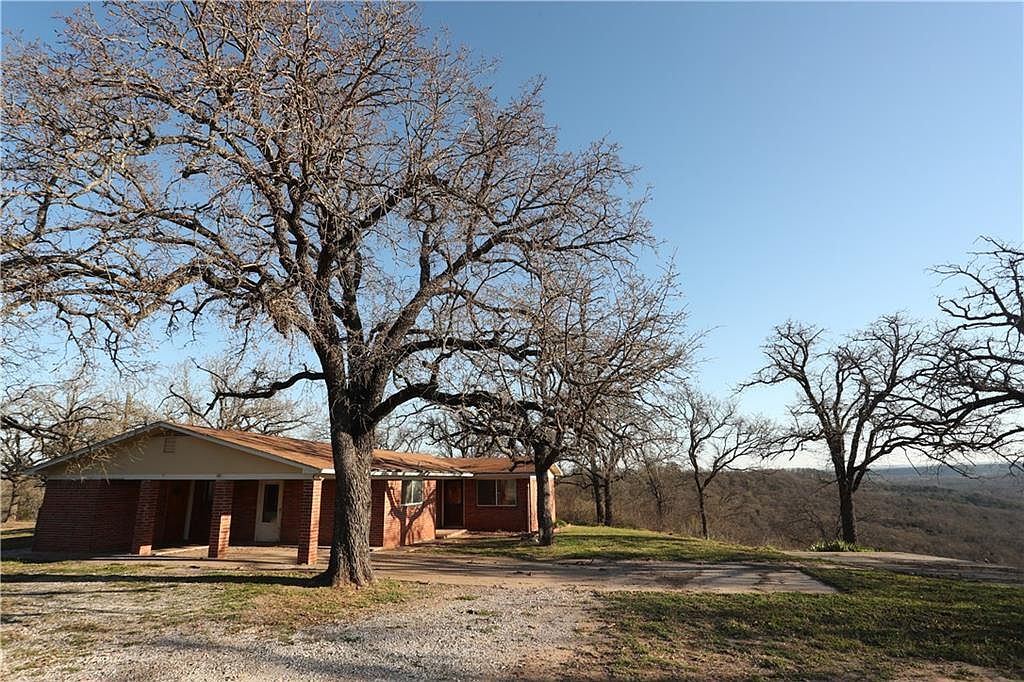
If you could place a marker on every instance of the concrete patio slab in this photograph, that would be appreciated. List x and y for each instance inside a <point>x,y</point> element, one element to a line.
<point>921,564</point>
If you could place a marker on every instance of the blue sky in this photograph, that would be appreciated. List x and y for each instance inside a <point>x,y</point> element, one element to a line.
<point>807,160</point>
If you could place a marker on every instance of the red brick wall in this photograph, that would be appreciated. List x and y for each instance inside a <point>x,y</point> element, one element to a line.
<point>220,518</point>
<point>291,512</point>
<point>161,513</point>
<point>86,516</point>
<point>89,516</point>
<point>532,511</point>
<point>403,525</point>
<point>515,518</point>
<point>326,511</point>
<point>243,512</point>
<point>378,508</point>
<point>145,518</point>
<point>551,484</point>
<point>309,530</point>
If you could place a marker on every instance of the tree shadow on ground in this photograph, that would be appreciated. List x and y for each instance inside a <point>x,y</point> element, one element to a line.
<point>202,578</point>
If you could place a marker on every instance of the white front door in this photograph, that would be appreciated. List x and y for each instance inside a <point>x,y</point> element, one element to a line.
<point>268,511</point>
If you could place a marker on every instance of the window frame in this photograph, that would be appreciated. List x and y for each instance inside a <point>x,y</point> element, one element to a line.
<point>495,481</point>
<point>422,495</point>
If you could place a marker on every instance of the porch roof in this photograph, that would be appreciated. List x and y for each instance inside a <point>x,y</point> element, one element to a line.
<point>314,457</point>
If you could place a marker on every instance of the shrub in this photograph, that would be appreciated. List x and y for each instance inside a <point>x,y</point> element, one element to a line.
<point>838,545</point>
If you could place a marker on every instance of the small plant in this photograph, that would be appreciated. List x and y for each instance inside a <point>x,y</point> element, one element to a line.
<point>838,545</point>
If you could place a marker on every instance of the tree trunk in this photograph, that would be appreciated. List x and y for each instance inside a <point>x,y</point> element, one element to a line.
<point>703,514</point>
<point>607,493</point>
<point>699,487</point>
<point>349,562</point>
<point>595,485</point>
<point>11,512</point>
<point>545,520</point>
<point>846,515</point>
<point>659,502</point>
<point>844,480</point>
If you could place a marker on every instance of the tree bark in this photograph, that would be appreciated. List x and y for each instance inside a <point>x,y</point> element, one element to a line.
<point>607,493</point>
<point>11,512</point>
<point>847,520</point>
<point>846,516</point>
<point>545,521</point>
<point>703,515</point>
<point>659,502</point>
<point>701,510</point>
<point>349,561</point>
<point>595,484</point>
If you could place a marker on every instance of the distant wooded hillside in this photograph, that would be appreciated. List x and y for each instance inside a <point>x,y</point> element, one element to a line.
<point>900,509</point>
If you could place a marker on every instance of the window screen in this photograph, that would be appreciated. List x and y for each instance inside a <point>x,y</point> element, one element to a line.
<point>412,492</point>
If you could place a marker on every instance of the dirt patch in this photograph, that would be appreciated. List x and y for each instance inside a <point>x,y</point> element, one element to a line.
<point>78,627</point>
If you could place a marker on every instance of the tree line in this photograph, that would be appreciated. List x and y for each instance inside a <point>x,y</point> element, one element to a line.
<point>330,179</point>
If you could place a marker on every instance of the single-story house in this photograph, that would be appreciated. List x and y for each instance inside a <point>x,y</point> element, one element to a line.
<point>166,485</point>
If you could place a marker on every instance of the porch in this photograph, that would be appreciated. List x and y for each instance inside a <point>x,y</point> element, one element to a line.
<point>173,517</point>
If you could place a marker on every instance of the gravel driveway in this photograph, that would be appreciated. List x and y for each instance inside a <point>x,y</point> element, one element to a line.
<point>456,633</point>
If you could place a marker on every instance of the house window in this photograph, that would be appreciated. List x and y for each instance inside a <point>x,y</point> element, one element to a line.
<point>498,493</point>
<point>412,492</point>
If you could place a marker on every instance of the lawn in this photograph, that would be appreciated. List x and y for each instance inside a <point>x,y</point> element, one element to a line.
<point>279,599</point>
<point>601,542</point>
<point>17,535</point>
<point>879,625</point>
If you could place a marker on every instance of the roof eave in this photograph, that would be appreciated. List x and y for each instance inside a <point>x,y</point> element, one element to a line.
<point>424,473</point>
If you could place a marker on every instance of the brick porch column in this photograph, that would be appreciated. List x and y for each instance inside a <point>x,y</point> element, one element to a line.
<point>145,518</point>
<point>220,518</point>
<point>309,521</point>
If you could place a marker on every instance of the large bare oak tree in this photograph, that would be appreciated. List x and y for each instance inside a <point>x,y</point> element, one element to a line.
<point>591,349</point>
<point>858,397</point>
<point>325,171</point>
<point>975,380</point>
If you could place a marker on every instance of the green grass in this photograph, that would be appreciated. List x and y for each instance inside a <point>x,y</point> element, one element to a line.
<point>70,567</point>
<point>16,537</point>
<point>839,546</point>
<point>879,625</point>
<point>287,608</point>
<point>601,542</point>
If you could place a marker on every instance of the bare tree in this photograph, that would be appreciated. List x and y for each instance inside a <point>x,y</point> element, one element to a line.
<point>655,466</point>
<point>193,404</point>
<point>618,434</point>
<point>975,383</point>
<point>321,170</point>
<point>858,397</point>
<point>718,438</point>
<point>587,351</point>
<point>41,421</point>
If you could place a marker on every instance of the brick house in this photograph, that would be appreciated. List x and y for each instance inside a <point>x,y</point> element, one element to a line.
<point>167,485</point>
